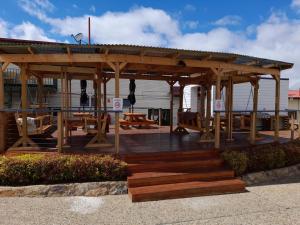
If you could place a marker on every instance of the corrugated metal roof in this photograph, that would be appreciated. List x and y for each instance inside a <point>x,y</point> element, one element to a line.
<point>294,93</point>
<point>15,46</point>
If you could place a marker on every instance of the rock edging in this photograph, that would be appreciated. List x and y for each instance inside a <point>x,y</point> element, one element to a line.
<point>271,175</point>
<point>60,190</point>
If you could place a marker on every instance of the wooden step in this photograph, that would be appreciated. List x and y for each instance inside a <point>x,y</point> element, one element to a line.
<point>170,156</point>
<point>180,166</point>
<point>157,178</point>
<point>188,189</point>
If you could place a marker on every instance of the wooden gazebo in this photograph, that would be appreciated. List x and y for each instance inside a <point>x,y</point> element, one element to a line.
<point>103,62</point>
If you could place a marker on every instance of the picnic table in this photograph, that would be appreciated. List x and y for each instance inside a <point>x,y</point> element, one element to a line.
<point>135,119</point>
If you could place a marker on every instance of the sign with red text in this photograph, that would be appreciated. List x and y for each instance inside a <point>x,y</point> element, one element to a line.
<point>219,105</point>
<point>117,104</point>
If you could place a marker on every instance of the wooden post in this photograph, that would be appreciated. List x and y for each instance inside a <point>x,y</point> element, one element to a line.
<point>95,97</point>
<point>277,107</point>
<point>99,114</point>
<point>24,74</point>
<point>62,105</point>
<point>2,114</point>
<point>159,115</point>
<point>40,92</point>
<point>181,89</point>
<point>208,109</point>
<point>60,128</point>
<point>218,114</point>
<point>202,102</point>
<point>105,80</point>
<point>229,109</point>
<point>70,94</point>
<point>292,126</point>
<point>171,104</point>
<point>66,116</point>
<point>117,114</point>
<point>254,114</point>
<point>1,87</point>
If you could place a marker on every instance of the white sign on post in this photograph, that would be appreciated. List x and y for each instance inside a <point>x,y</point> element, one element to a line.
<point>117,104</point>
<point>219,105</point>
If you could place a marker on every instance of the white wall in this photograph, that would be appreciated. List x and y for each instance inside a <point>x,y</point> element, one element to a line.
<point>243,97</point>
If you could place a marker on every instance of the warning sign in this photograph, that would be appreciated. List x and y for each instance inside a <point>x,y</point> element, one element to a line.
<point>219,105</point>
<point>117,104</point>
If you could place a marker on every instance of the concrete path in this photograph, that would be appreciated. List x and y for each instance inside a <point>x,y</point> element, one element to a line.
<point>262,205</point>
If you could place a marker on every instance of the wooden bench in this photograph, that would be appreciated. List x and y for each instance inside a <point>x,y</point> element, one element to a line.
<point>136,123</point>
<point>190,120</point>
<point>42,124</point>
<point>91,124</point>
<point>135,119</point>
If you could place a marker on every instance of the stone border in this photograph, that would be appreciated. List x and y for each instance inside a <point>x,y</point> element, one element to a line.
<point>271,175</point>
<point>59,190</point>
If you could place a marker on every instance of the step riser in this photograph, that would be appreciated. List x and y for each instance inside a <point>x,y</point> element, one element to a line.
<point>179,179</point>
<point>171,157</point>
<point>175,167</point>
<point>197,192</point>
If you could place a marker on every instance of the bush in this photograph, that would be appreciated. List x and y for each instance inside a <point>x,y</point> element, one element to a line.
<point>292,152</point>
<point>266,157</point>
<point>39,169</point>
<point>236,160</point>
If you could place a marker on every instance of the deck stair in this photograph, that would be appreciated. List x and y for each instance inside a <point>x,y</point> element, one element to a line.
<point>168,175</point>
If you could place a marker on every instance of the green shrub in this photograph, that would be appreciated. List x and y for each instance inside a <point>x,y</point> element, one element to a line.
<point>39,169</point>
<point>266,157</point>
<point>236,160</point>
<point>292,152</point>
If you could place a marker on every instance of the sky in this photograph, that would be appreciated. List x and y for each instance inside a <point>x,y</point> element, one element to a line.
<point>262,28</point>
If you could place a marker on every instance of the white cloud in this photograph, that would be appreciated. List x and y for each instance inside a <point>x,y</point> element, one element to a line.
<point>93,9</point>
<point>228,20</point>
<point>3,28</point>
<point>37,8</point>
<point>145,26</point>
<point>295,4</point>
<point>191,24</point>
<point>29,31</point>
<point>189,7</point>
<point>25,30</point>
<point>276,38</point>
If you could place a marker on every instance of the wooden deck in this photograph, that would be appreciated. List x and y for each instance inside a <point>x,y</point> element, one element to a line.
<point>153,139</point>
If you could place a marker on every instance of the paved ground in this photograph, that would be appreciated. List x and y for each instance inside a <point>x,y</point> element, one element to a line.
<point>261,205</point>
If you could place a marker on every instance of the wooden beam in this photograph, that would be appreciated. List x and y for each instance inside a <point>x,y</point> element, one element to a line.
<point>5,65</point>
<point>30,50</point>
<point>96,58</point>
<point>57,69</point>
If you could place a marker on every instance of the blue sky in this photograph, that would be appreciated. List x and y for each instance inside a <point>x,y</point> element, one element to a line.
<point>265,28</point>
<point>192,15</point>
